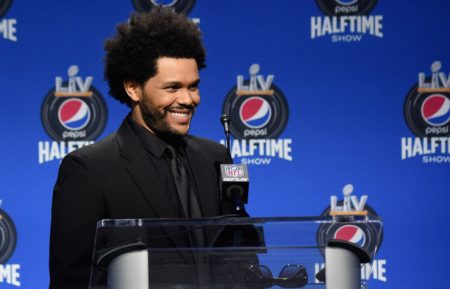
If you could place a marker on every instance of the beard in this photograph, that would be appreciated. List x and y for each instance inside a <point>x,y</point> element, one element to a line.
<point>156,119</point>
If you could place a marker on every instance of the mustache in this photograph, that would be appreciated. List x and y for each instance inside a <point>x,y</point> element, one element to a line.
<point>182,107</point>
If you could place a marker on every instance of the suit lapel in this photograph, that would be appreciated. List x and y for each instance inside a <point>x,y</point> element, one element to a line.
<point>144,173</point>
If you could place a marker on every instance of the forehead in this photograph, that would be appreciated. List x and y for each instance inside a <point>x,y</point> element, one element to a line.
<point>176,69</point>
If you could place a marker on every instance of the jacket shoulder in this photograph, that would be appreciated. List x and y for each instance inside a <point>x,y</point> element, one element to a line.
<point>102,150</point>
<point>209,148</point>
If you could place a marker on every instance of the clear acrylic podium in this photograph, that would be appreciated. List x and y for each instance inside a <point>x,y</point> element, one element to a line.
<point>223,252</point>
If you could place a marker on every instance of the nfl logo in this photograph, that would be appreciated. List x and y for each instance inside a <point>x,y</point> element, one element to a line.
<point>234,171</point>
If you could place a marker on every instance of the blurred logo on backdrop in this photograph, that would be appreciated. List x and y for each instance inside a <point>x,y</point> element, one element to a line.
<point>259,114</point>
<point>8,27</point>
<point>8,238</point>
<point>179,6</point>
<point>367,235</point>
<point>427,114</point>
<point>346,20</point>
<point>73,114</point>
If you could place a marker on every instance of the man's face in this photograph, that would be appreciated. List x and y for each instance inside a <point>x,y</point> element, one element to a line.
<point>169,99</point>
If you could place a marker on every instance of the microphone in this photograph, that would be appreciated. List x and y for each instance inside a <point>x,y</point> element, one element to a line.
<point>225,120</point>
<point>235,181</point>
<point>234,177</point>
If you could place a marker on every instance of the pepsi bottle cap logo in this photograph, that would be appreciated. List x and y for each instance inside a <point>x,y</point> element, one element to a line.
<point>255,112</point>
<point>74,114</point>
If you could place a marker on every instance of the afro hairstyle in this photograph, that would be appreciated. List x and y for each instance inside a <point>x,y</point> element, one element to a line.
<point>132,54</point>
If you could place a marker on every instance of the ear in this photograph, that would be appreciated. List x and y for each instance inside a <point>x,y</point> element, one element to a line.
<point>133,89</point>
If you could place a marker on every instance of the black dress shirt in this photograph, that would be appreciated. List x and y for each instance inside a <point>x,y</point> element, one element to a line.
<point>157,152</point>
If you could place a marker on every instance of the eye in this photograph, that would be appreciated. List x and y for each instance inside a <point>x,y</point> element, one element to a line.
<point>172,88</point>
<point>194,87</point>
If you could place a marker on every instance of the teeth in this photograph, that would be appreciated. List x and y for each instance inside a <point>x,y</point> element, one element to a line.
<point>180,114</point>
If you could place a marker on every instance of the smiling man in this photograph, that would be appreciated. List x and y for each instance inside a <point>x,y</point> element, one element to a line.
<point>151,167</point>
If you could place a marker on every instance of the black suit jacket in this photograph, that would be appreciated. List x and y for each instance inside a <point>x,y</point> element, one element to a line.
<point>115,179</point>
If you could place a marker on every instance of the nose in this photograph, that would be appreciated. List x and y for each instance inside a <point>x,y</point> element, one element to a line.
<point>188,97</point>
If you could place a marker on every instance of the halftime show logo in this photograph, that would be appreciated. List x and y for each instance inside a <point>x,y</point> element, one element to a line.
<point>179,6</point>
<point>9,273</point>
<point>259,113</point>
<point>427,113</point>
<point>7,26</point>
<point>346,20</point>
<point>344,227</point>
<point>73,114</point>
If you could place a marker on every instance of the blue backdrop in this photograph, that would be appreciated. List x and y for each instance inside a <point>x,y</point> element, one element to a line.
<point>354,111</point>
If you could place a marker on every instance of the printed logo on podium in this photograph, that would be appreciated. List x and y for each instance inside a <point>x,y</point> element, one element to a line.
<point>7,25</point>
<point>180,6</point>
<point>73,114</point>
<point>366,235</point>
<point>258,113</point>
<point>427,114</point>
<point>346,20</point>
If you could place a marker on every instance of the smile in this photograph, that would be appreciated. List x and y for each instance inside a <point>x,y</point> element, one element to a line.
<point>180,114</point>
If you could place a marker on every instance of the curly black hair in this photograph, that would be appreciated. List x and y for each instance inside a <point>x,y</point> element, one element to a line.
<point>145,37</point>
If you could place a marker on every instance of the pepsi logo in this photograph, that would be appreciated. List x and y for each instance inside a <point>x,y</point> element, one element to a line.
<point>346,7</point>
<point>352,234</point>
<point>74,118</point>
<point>8,237</point>
<point>427,113</point>
<point>256,116</point>
<point>367,235</point>
<point>74,114</point>
<point>180,6</point>
<point>346,2</point>
<point>255,112</point>
<point>436,110</point>
<point>164,2</point>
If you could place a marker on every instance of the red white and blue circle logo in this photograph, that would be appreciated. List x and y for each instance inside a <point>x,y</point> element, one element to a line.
<point>74,117</point>
<point>436,110</point>
<point>428,113</point>
<point>256,115</point>
<point>74,114</point>
<point>180,6</point>
<point>351,233</point>
<point>367,235</point>
<point>255,112</point>
<point>346,2</point>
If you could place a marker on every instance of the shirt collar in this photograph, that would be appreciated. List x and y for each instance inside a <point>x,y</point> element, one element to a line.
<point>151,142</point>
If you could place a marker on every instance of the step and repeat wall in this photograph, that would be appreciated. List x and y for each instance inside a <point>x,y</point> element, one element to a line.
<point>322,93</point>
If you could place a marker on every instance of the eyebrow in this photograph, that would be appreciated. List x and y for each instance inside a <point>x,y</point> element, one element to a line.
<point>177,83</point>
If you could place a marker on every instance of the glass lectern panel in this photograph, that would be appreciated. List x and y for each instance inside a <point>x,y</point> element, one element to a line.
<point>222,253</point>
